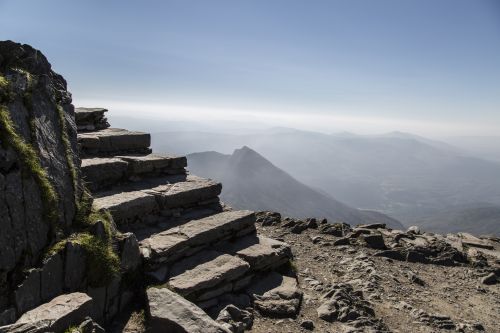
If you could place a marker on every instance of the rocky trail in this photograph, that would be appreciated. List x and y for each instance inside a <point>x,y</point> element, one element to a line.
<point>373,279</point>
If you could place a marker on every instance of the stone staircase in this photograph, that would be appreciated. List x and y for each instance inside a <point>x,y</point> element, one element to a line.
<point>190,242</point>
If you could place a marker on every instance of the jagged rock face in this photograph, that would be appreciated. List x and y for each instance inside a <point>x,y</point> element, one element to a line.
<point>39,177</point>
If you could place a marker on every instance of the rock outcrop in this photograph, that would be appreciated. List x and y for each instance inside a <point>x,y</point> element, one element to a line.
<point>40,183</point>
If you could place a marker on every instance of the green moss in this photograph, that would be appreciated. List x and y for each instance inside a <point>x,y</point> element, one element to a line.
<point>4,83</point>
<point>5,91</point>
<point>31,162</point>
<point>103,263</point>
<point>73,329</point>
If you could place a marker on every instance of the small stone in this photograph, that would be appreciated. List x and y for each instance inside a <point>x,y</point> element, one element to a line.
<point>414,230</point>
<point>342,241</point>
<point>307,324</point>
<point>489,279</point>
<point>375,241</point>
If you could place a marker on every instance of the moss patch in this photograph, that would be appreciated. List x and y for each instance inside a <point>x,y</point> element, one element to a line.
<point>4,83</point>
<point>5,91</point>
<point>31,162</point>
<point>103,263</point>
<point>73,329</point>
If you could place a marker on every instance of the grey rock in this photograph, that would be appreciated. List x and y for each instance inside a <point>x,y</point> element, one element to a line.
<point>52,277</point>
<point>102,172</point>
<point>113,140</point>
<point>342,241</point>
<point>392,254</point>
<point>112,298</point>
<point>260,252</point>
<point>490,279</point>
<point>275,295</point>
<point>375,241</point>
<point>170,312</point>
<point>138,201</point>
<point>75,267</point>
<point>7,316</point>
<point>54,316</point>
<point>372,226</point>
<point>27,295</point>
<point>25,231</point>
<point>90,119</point>
<point>98,296</point>
<point>154,164</point>
<point>415,278</point>
<point>174,243</point>
<point>238,320</point>
<point>307,324</point>
<point>204,271</point>
<point>268,218</point>
<point>129,252</point>
<point>414,230</point>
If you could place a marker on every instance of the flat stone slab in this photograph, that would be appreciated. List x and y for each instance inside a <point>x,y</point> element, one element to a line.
<point>100,172</point>
<point>154,163</point>
<point>114,140</point>
<point>88,113</point>
<point>54,316</point>
<point>194,189</point>
<point>260,252</point>
<point>137,200</point>
<point>205,270</point>
<point>174,243</point>
<point>172,313</point>
<point>128,206</point>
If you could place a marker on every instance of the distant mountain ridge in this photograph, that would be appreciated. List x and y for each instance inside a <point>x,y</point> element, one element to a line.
<point>253,182</point>
<point>402,175</point>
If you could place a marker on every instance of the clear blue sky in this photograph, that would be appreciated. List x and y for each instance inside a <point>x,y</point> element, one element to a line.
<point>421,65</point>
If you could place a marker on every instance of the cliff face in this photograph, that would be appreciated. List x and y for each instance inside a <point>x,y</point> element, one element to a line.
<point>39,177</point>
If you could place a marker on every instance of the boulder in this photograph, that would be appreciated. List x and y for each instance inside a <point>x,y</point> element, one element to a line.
<point>235,319</point>
<point>374,241</point>
<point>275,295</point>
<point>55,316</point>
<point>170,312</point>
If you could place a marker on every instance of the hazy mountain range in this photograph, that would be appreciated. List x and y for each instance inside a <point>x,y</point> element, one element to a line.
<point>404,176</point>
<point>250,181</point>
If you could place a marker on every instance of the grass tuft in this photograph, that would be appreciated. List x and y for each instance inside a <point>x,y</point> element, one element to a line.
<point>102,262</point>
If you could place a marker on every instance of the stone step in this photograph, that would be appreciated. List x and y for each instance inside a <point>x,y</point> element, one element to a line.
<point>113,141</point>
<point>90,119</point>
<point>102,172</point>
<point>206,275</point>
<point>260,252</point>
<point>155,199</point>
<point>170,245</point>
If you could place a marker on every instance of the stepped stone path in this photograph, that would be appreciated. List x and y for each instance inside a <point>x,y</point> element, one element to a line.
<point>190,241</point>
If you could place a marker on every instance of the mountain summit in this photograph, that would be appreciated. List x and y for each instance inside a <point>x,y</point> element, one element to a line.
<point>250,180</point>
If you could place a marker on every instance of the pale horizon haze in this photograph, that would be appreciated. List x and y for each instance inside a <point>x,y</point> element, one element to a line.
<point>427,67</point>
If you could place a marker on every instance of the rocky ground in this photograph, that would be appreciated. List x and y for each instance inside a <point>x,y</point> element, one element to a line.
<point>353,288</point>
